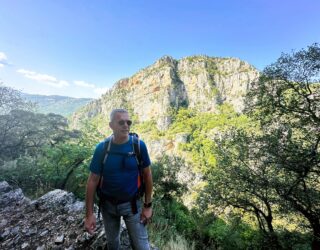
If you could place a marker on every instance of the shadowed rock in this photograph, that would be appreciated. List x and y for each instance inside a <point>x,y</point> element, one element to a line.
<point>54,221</point>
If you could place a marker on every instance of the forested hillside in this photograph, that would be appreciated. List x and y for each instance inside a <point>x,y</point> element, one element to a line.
<point>61,105</point>
<point>235,151</point>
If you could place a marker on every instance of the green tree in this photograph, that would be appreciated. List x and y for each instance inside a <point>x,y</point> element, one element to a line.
<point>167,185</point>
<point>286,101</point>
<point>11,99</point>
<point>241,181</point>
<point>65,166</point>
<point>276,165</point>
<point>24,132</point>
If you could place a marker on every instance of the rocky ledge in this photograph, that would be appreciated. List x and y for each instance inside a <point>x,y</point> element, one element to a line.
<point>54,221</point>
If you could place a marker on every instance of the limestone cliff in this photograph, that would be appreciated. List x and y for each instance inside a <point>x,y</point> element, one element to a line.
<point>199,82</point>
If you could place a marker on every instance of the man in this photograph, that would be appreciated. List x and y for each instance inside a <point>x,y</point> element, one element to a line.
<point>119,186</point>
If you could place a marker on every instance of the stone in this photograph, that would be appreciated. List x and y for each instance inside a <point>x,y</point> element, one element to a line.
<point>59,239</point>
<point>12,196</point>
<point>43,233</point>
<point>31,231</point>
<point>31,207</point>
<point>70,248</point>
<point>24,245</point>
<point>9,243</point>
<point>17,239</point>
<point>15,230</point>
<point>47,226</point>
<point>70,219</point>
<point>3,223</point>
<point>5,187</point>
<point>73,235</point>
<point>5,233</point>
<point>42,247</point>
<point>55,200</point>
<point>75,207</point>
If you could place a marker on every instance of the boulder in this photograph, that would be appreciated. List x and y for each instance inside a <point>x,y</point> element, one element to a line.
<point>54,221</point>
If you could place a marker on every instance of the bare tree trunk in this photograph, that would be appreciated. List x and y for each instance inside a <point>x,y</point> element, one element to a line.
<point>316,236</point>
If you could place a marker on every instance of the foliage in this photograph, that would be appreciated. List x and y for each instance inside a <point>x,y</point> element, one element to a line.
<point>23,132</point>
<point>40,147</point>
<point>275,168</point>
<point>295,240</point>
<point>11,99</point>
<point>232,233</point>
<point>241,181</point>
<point>148,128</point>
<point>171,217</point>
<point>201,229</point>
<point>100,124</point>
<point>24,173</point>
<point>166,183</point>
<point>62,166</point>
<point>177,242</point>
<point>60,163</point>
<point>90,134</point>
<point>286,103</point>
<point>201,129</point>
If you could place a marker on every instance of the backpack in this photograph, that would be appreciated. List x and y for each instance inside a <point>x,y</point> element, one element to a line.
<point>136,152</point>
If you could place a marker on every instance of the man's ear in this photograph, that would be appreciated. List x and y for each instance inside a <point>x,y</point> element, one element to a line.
<point>110,125</point>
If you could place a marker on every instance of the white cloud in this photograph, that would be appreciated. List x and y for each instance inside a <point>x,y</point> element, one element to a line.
<point>3,59</point>
<point>84,84</point>
<point>43,78</point>
<point>100,91</point>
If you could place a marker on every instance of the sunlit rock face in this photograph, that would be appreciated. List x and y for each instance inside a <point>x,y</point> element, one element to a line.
<point>198,82</point>
<point>54,221</point>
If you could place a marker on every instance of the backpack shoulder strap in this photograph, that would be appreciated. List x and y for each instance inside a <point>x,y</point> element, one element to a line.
<point>137,152</point>
<point>136,148</point>
<point>106,148</point>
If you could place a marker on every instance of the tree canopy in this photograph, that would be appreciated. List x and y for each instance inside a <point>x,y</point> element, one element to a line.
<point>275,168</point>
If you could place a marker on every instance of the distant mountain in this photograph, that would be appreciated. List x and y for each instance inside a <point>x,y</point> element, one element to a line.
<point>62,105</point>
<point>152,94</point>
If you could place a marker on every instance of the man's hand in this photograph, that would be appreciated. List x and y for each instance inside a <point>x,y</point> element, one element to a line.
<point>90,224</point>
<point>146,215</point>
<point>90,219</point>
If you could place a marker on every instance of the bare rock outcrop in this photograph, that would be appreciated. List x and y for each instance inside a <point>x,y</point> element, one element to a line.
<point>198,82</point>
<point>54,221</point>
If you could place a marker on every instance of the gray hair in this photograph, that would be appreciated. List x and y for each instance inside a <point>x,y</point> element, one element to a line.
<point>114,111</point>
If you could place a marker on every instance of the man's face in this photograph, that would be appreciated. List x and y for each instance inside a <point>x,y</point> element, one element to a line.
<point>121,125</point>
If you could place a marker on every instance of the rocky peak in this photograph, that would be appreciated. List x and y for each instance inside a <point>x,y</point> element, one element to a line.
<point>54,221</point>
<point>199,82</point>
<point>122,83</point>
<point>165,60</point>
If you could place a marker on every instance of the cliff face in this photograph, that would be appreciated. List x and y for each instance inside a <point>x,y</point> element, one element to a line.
<point>198,82</point>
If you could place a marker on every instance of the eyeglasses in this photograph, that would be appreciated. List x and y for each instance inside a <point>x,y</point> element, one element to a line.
<point>122,122</point>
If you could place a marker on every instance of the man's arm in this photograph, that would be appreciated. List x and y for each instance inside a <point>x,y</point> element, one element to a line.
<point>147,212</point>
<point>90,219</point>
<point>147,177</point>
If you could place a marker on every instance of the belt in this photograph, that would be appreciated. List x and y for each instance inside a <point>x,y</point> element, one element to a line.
<point>116,201</point>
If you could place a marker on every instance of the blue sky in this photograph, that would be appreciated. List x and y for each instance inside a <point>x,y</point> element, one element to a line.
<point>81,48</point>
